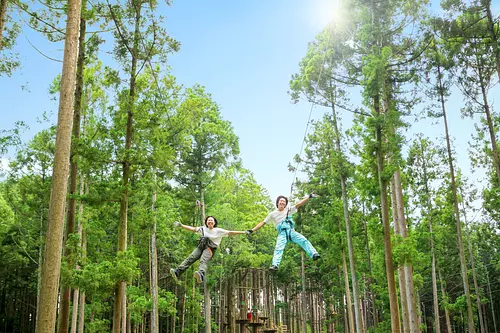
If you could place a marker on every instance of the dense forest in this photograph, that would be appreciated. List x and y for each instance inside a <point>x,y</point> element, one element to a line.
<point>408,241</point>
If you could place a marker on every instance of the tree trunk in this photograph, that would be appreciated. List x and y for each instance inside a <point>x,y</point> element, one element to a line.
<point>463,264</point>
<point>393,297</point>
<point>183,317</point>
<point>81,308</point>
<point>347,293</point>
<point>491,126</point>
<point>230,305</point>
<point>350,246</point>
<point>401,271</point>
<point>369,280</point>
<point>446,311</point>
<point>482,320</point>
<point>70,223</point>
<point>124,309</point>
<point>303,293</point>
<point>310,295</point>
<point>408,267</point>
<point>491,30</point>
<point>3,14</point>
<point>431,243</point>
<point>154,270</point>
<point>41,239</point>
<point>51,268</point>
<point>122,229</point>
<point>76,293</point>
<point>206,290</point>
<point>491,302</point>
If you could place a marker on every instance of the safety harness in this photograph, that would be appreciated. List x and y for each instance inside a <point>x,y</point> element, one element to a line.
<point>205,243</point>
<point>286,225</point>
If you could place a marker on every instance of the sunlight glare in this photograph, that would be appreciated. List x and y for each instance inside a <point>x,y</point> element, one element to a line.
<point>325,12</point>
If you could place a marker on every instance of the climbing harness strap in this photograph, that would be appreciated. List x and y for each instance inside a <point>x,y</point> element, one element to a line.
<point>204,243</point>
<point>286,226</point>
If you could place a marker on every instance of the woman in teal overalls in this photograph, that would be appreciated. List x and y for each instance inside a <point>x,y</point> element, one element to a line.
<point>282,220</point>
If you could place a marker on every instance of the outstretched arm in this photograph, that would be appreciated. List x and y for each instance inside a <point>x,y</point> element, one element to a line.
<point>305,200</point>
<point>257,227</point>
<point>187,227</point>
<point>232,233</point>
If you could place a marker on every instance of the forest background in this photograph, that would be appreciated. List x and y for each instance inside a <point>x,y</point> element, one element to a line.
<point>190,101</point>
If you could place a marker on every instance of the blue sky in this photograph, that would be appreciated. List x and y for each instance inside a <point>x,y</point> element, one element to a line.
<point>244,52</point>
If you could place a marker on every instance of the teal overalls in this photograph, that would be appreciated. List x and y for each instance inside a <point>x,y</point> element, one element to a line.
<point>286,232</point>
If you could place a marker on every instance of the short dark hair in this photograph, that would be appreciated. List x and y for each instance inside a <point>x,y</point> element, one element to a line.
<point>281,197</point>
<point>215,220</point>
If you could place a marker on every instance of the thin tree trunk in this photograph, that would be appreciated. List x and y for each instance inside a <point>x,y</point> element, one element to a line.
<point>491,127</point>
<point>344,306</point>
<point>120,297</point>
<point>406,271</point>
<point>81,308</point>
<point>154,270</point>
<point>183,320</point>
<point>303,294</point>
<point>369,279</point>
<point>347,293</point>
<point>51,268</point>
<point>311,307</point>
<point>482,326</point>
<point>76,293</point>
<point>393,297</point>
<point>41,239</point>
<point>463,264</point>
<point>446,311</point>
<point>408,267</point>
<point>431,243</point>
<point>494,37</point>
<point>206,290</point>
<point>401,271</point>
<point>194,315</point>
<point>81,313</point>
<point>124,309</point>
<point>491,302</point>
<point>350,246</point>
<point>230,305</point>
<point>70,223</point>
<point>3,14</point>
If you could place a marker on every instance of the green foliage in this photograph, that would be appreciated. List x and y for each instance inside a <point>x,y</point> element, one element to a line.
<point>9,58</point>
<point>183,150</point>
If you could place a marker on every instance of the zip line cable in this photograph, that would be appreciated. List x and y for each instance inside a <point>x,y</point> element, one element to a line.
<point>312,106</point>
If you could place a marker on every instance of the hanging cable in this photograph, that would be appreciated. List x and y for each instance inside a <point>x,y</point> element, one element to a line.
<point>312,106</point>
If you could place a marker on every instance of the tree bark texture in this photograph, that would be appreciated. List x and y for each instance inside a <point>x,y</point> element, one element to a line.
<point>52,258</point>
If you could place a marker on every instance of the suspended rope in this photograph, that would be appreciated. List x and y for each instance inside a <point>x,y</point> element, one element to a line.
<point>310,111</point>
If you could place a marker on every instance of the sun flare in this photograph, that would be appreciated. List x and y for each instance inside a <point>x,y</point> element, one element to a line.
<point>326,12</point>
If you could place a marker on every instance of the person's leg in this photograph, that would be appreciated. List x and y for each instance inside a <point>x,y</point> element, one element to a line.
<point>199,275</point>
<point>299,239</point>
<point>205,258</point>
<point>195,255</point>
<point>279,248</point>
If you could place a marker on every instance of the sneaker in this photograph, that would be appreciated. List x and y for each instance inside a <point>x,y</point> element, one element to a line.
<point>198,276</point>
<point>174,274</point>
<point>273,268</point>
<point>316,256</point>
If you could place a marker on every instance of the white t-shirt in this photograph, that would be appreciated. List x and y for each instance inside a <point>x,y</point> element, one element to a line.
<point>214,234</point>
<point>276,216</point>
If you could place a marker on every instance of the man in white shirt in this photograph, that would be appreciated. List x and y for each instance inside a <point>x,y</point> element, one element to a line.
<point>281,218</point>
<point>211,237</point>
